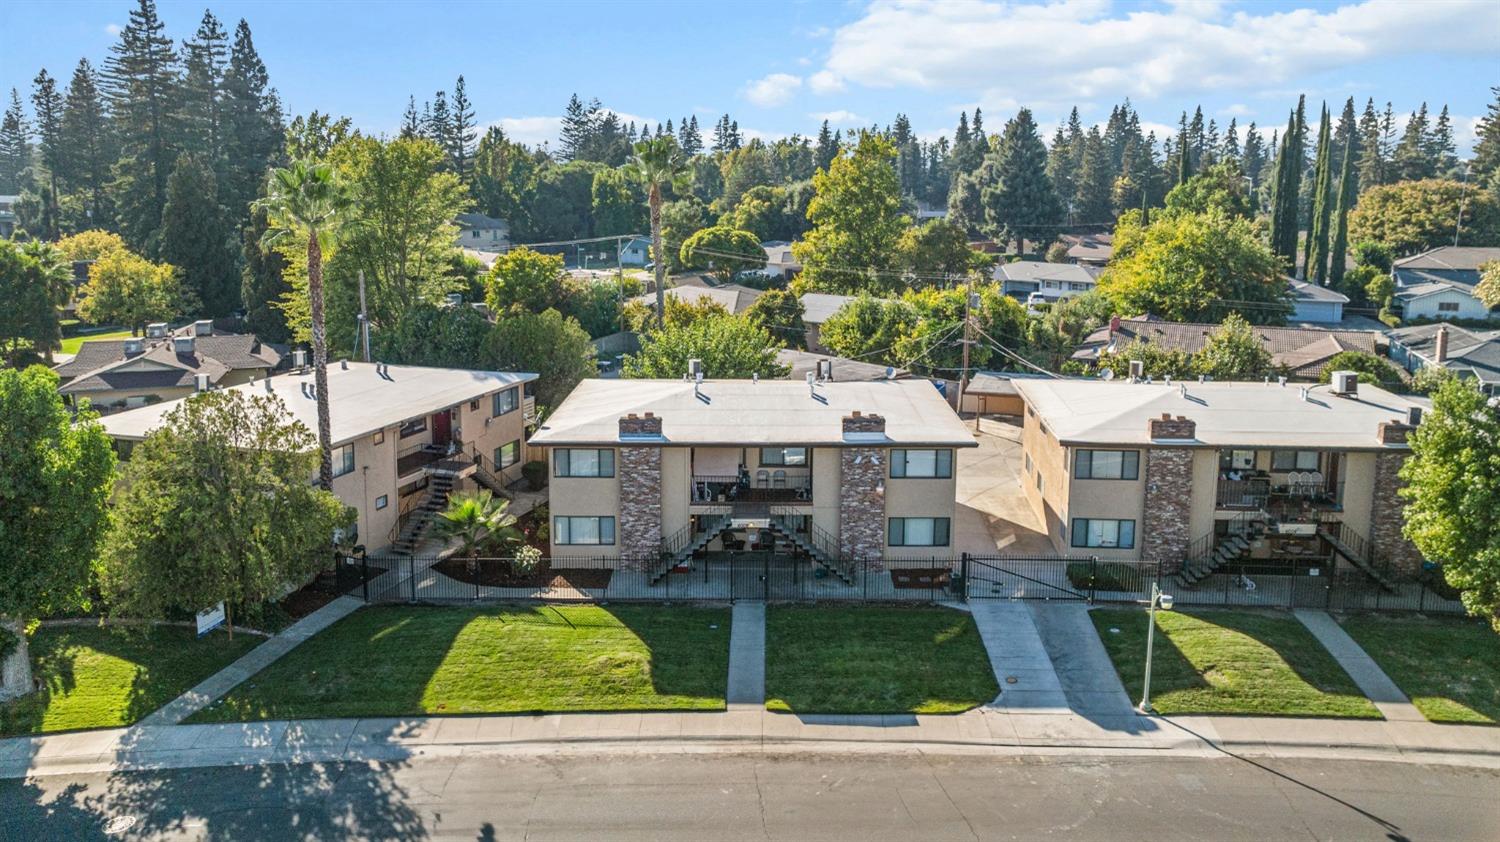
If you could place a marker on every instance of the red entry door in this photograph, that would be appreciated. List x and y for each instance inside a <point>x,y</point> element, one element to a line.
<point>442,428</point>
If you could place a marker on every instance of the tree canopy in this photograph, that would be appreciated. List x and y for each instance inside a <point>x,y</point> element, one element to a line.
<point>730,347</point>
<point>857,218</point>
<point>127,289</point>
<point>526,279</point>
<point>549,344</point>
<point>1411,216</point>
<point>724,251</point>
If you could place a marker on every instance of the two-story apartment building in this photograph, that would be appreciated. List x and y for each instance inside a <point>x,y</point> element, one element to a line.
<point>1206,473</point>
<point>403,436</point>
<point>854,471</point>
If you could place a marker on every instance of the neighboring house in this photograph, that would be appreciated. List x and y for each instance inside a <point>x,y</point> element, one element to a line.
<point>803,363</point>
<point>163,365</point>
<point>1469,354</point>
<point>779,260</point>
<point>1089,249</point>
<point>403,437</point>
<point>1048,281</point>
<point>482,233</point>
<point>635,251</point>
<point>732,297</point>
<point>1316,304</point>
<point>8,216</point>
<point>1439,284</point>
<point>486,258</point>
<point>995,393</point>
<point>647,472</point>
<point>1302,351</point>
<point>817,308</point>
<point>1204,474</point>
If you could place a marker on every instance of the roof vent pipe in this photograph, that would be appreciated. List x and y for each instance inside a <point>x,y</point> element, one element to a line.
<point>755,377</point>
<point>695,369</point>
<point>812,384</point>
<point>1281,381</point>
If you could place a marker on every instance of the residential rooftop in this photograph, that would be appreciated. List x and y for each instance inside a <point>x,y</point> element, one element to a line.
<point>753,413</point>
<point>1097,412</point>
<point>802,363</point>
<point>1470,353</point>
<point>732,297</point>
<point>1452,258</point>
<point>105,365</point>
<point>363,397</point>
<point>819,307</point>
<point>1036,270</point>
<point>1302,350</point>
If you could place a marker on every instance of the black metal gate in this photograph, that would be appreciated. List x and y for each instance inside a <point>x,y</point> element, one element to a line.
<point>1028,577</point>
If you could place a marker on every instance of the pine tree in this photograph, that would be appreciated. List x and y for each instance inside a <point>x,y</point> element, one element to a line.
<point>578,129</point>
<point>88,144</point>
<point>1185,150</point>
<point>1230,151</point>
<point>439,128</point>
<point>1347,128</point>
<point>252,127</point>
<point>1196,141</point>
<point>47,106</point>
<point>1315,253</point>
<point>204,64</point>
<point>1485,165</point>
<point>1094,181</point>
<point>1020,203</point>
<point>1210,154</point>
<point>1348,194</point>
<point>143,85</point>
<point>195,238</point>
<point>977,127</point>
<point>1440,145</point>
<point>411,120</point>
<point>463,132</point>
<point>1411,159</point>
<point>689,138</point>
<point>825,150</point>
<point>15,146</point>
<point>1253,158</point>
<point>1372,161</point>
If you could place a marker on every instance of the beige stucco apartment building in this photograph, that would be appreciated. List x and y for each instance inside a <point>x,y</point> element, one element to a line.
<point>401,434</point>
<point>1175,472</point>
<point>856,472</point>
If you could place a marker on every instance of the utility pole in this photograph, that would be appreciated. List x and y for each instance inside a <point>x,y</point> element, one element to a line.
<point>963,380</point>
<point>364,317</point>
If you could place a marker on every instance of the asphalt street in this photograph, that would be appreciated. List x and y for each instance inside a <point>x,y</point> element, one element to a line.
<point>727,796</point>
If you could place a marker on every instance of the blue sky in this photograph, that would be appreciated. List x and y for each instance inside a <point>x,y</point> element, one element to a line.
<point>782,67</point>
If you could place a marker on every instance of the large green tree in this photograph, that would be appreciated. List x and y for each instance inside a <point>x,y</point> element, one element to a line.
<point>1221,187</point>
<point>1233,352</point>
<point>34,282</point>
<point>1453,494</point>
<point>143,81</point>
<point>525,279</point>
<point>196,238</point>
<point>1412,216</point>
<point>937,251</point>
<point>55,480</point>
<point>730,347</point>
<point>127,289</point>
<point>725,252</point>
<point>779,312</point>
<point>436,335</point>
<point>1021,205</point>
<point>868,328</point>
<point>857,219</point>
<point>217,501</point>
<point>548,344</point>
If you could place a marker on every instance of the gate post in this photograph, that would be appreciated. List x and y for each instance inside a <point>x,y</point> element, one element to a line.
<point>478,575</point>
<point>964,575</point>
<point>1093,578</point>
<point>411,577</point>
<point>364,575</point>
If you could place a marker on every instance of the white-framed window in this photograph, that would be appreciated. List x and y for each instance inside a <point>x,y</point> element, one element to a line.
<point>1107,464</point>
<point>508,454</point>
<point>505,402</point>
<point>343,460</point>
<point>934,463</point>
<point>583,462</point>
<point>1447,306</point>
<point>917,532</point>
<point>1095,532</point>
<point>1237,460</point>
<point>382,501</point>
<point>793,456</point>
<point>1294,460</point>
<point>583,530</point>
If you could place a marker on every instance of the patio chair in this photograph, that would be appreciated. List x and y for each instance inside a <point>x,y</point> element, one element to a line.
<point>763,479</point>
<point>778,479</point>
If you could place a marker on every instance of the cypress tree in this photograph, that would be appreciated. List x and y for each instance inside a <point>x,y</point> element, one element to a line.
<point>1284,197</point>
<point>1184,151</point>
<point>143,84</point>
<point>1348,193</point>
<point>1315,254</point>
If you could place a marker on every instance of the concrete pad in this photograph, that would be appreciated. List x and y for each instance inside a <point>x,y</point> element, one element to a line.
<point>80,744</point>
<point>457,729</point>
<point>660,725</point>
<point>619,726</point>
<point>532,728</point>
<point>493,729</point>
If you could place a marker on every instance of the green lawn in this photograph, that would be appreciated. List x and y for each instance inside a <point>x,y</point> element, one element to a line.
<point>71,343</point>
<point>105,677</point>
<point>855,659</point>
<point>1246,662</point>
<point>395,661</point>
<point>1449,667</point>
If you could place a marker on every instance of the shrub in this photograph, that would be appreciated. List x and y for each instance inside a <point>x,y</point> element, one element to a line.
<point>526,561</point>
<point>535,473</point>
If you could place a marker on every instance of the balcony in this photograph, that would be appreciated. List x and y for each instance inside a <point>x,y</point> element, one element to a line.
<point>757,492</point>
<point>1284,497</point>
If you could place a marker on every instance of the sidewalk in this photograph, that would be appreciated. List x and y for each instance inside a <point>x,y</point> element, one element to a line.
<point>982,730</point>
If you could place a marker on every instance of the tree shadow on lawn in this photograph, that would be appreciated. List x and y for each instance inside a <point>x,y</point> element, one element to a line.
<point>1325,690</point>
<point>688,646</point>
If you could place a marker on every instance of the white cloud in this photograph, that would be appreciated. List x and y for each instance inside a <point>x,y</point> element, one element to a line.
<point>839,118</point>
<point>1238,109</point>
<point>773,90</point>
<point>112,29</point>
<point>1081,49</point>
<point>825,82</point>
<point>532,131</point>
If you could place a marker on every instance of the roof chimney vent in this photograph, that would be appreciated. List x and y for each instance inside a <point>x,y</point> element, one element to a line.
<point>1440,345</point>
<point>203,327</point>
<point>1413,416</point>
<point>200,382</point>
<point>695,369</point>
<point>183,345</point>
<point>299,358</point>
<point>812,385</point>
<point>156,330</point>
<point>135,345</point>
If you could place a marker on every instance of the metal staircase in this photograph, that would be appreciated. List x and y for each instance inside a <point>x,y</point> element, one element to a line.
<point>680,545</point>
<point>1207,554</point>
<point>819,545</point>
<point>414,525</point>
<point>1354,548</point>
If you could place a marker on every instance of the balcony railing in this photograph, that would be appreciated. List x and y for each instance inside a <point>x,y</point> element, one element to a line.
<point>1243,493</point>
<point>773,487</point>
<point>411,459</point>
<point>1266,493</point>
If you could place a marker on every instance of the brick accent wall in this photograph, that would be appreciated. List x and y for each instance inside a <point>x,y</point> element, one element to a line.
<point>1393,432</point>
<point>1167,427</point>
<point>1388,515</point>
<point>1169,491</point>
<point>639,533</point>
<point>861,502</point>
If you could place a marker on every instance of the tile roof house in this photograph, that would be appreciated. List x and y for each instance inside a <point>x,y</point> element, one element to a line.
<point>1303,351</point>
<point>1439,283</point>
<point>1470,354</point>
<point>163,365</point>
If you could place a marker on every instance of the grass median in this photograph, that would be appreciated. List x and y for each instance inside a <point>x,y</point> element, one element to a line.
<point>108,676</point>
<point>855,659</point>
<point>1449,667</point>
<point>1230,662</point>
<point>397,661</point>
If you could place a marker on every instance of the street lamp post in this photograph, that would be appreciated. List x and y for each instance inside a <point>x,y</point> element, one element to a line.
<point>1164,601</point>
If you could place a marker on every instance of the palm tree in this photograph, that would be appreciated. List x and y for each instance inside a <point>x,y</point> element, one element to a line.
<point>309,199</point>
<point>476,518</point>
<point>659,163</point>
<point>54,276</point>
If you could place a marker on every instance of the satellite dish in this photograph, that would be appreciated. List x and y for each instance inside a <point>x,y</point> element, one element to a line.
<point>1107,374</point>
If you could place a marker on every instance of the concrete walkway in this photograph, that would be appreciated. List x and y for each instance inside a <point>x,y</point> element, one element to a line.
<point>1083,666</point>
<point>747,656</point>
<point>1368,676</point>
<point>214,687</point>
<point>1027,679</point>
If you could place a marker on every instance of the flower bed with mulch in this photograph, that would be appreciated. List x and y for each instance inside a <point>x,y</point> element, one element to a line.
<point>924,578</point>
<point>323,589</point>
<point>497,573</point>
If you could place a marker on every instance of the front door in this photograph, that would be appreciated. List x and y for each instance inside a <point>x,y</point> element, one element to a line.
<point>442,428</point>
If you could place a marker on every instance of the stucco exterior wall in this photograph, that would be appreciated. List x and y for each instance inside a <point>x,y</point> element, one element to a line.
<point>587,497</point>
<point>1205,499</point>
<point>676,488</point>
<point>916,497</point>
<point>827,474</point>
<point>374,476</point>
<point>1049,461</point>
<point>1106,499</point>
<point>476,429</point>
<point>1359,487</point>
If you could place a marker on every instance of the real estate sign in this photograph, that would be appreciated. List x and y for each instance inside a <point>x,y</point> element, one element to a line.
<point>210,619</point>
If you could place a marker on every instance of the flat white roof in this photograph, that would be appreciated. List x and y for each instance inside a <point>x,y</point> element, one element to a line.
<point>747,413</point>
<point>1227,414</point>
<point>363,397</point>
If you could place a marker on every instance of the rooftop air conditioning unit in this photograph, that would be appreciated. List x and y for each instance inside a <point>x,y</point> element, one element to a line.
<point>200,382</point>
<point>203,327</point>
<point>1346,383</point>
<point>299,358</point>
<point>183,345</point>
<point>156,330</point>
<point>455,299</point>
<point>135,345</point>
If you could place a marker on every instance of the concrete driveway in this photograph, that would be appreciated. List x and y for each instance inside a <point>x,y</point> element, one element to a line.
<point>993,515</point>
